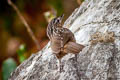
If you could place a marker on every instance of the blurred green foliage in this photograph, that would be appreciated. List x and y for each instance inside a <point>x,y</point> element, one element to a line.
<point>57,5</point>
<point>21,53</point>
<point>8,66</point>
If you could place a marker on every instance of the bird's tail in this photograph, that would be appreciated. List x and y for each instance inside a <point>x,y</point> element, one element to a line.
<point>73,47</point>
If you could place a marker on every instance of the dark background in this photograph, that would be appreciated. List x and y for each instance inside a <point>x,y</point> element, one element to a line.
<point>13,33</point>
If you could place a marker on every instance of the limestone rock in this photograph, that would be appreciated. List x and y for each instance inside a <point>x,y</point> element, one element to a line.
<point>98,61</point>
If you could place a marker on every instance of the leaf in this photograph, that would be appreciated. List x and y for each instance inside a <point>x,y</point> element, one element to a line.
<point>8,66</point>
<point>21,51</point>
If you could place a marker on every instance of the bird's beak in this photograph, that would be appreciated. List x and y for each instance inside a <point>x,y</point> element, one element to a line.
<point>61,18</point>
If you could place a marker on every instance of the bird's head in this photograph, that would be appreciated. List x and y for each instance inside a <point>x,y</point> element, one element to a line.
<point>57,22</point>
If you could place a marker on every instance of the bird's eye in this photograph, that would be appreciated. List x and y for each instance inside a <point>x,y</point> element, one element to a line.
<point>57,21</point>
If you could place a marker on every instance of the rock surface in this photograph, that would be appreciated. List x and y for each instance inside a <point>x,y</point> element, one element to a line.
<point>96,24</point>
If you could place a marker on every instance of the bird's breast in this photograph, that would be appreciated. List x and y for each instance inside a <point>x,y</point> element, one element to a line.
<point>56,44</point>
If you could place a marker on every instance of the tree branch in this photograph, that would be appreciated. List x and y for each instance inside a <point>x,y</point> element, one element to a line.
<point>25,23</point>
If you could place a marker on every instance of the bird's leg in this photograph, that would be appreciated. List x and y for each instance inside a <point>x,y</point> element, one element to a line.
<point>60,66</point>
<point>76,58</point>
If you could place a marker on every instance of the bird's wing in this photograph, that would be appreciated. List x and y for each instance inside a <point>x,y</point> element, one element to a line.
<point>69,34</point>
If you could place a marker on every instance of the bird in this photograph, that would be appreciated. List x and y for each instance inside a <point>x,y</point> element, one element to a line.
<point>62,40</point>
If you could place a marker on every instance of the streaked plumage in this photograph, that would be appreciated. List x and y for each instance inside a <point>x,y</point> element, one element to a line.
<point>62,40</point>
